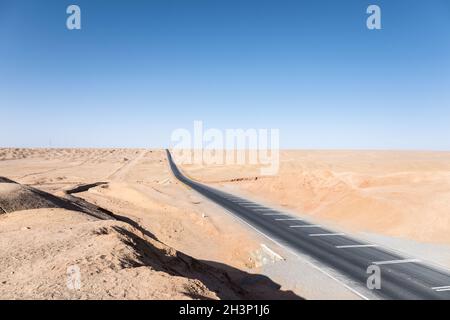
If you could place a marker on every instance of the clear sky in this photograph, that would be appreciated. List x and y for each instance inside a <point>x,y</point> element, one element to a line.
<point>137,70</point>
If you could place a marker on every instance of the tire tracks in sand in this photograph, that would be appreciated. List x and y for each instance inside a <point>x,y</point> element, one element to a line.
<point>120,173</point>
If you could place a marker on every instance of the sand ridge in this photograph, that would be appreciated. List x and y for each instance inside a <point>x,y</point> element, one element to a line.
<point>395,193</point>
<point>114,260</point>
<point>150,236</point>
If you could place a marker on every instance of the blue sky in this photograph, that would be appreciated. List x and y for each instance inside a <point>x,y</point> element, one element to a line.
<point>140,69</point>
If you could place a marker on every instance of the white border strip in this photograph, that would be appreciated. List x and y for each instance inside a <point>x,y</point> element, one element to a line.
<point>307,226</point>
<point>378,263</point>
<point>358,246</point>
<point>440,289</point>
<point>271,252</point>
<point>326,234</point>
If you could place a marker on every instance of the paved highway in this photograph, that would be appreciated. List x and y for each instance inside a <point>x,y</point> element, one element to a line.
<point>401,277</point>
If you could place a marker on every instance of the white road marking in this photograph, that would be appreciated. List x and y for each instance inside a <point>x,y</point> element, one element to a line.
<point>307,226</point>
<point>273,214</point>
<point>326,234</point>
<point>395,261</point>
<point>357,246</point>
<point>271,252</point>
<point>263,209</point>
<point>441,289</point>
<point>289,219</point>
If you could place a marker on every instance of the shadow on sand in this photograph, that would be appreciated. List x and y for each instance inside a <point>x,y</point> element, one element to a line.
<point>226,281</point>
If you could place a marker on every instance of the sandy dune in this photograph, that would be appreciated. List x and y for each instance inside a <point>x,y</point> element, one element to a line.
<point>400,194</point>
<point>168,242</point>
<point>114,261</point>
<point>164,243</point>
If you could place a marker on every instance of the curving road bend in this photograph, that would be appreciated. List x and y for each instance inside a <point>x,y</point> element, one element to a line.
<point>401,277</point>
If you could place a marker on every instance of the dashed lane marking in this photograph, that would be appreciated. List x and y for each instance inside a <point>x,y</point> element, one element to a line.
<point>441,289</point>
<point>357,246</point>
<point>307,226</point>
<point>395,261</point>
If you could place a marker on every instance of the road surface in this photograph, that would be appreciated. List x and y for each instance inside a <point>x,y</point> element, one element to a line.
<point>401,277</point>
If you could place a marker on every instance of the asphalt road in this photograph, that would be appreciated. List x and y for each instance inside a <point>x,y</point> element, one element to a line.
<point>401,277</point>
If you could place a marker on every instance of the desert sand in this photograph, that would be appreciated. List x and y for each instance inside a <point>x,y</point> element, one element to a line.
<point>122,219</point>
<point>403,194</point>
<point>135,232</point>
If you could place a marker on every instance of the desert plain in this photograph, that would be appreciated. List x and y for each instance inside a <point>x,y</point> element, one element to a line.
<point>135,232</point>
